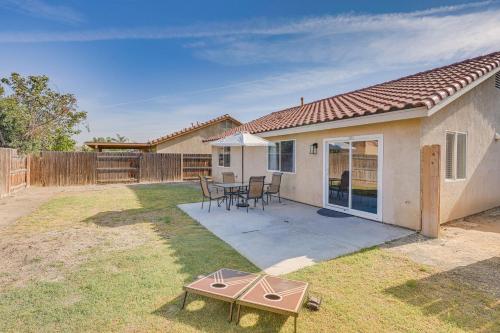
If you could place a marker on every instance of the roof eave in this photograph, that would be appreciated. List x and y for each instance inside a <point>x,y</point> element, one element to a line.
<point>94,144</point>
<point>355,121</point>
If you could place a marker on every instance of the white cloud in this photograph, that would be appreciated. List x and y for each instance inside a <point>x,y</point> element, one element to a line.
<point>317,57</point>
<point>318,26</point>
<point>384,39</point>
<point>39,8</point>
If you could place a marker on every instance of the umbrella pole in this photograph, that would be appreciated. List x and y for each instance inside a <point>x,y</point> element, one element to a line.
<point>242,163</point>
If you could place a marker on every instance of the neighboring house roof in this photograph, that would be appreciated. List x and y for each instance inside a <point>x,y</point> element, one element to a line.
<point>147,145</point>
<point>118,145</point>
<point>424,89</point>
<point>195,127</point>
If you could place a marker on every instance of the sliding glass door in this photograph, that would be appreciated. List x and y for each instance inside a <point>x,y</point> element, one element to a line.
<point>353,175</point>
<point>339,173</point>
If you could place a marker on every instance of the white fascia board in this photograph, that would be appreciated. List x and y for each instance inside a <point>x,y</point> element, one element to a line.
<point>461,92</point>
<point>358,121</point>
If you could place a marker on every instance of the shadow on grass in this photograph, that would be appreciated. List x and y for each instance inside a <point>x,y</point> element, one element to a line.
<point>467,297</point>
<point>199,308</point>
<point>195,250</point>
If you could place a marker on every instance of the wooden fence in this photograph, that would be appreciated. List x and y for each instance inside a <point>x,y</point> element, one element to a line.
<point>14,171</point>
<point>63,169</point>
<point>67,168</point>
<point>117,168</point>
<point>196,164</point>
<point>160,167</point>
<point>364,167</point>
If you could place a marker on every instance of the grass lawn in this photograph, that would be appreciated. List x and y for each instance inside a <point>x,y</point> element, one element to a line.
<point>115,259</point>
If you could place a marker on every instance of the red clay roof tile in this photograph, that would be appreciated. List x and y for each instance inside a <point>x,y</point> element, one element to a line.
<point>194,127</point>
<point>424,89</point>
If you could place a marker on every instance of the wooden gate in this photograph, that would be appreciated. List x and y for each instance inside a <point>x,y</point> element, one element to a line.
<point>19,171</point>
<point>118,167</point>
<point>194,165</point>
<point>14,171</point>
<point>430,187</point>
<point>138,167</point>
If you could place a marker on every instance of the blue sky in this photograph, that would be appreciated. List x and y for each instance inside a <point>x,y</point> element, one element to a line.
<point>145,68</point>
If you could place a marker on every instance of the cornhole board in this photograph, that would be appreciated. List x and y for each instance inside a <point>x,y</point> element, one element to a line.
<point>276,295</point>
<point>225,285</point>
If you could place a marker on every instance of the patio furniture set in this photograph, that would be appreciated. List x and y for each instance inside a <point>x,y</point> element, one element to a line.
<point>264,292</point>
<point>240,193</point>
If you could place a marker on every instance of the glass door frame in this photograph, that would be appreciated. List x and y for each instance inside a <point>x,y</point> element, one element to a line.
<point>380,165</point>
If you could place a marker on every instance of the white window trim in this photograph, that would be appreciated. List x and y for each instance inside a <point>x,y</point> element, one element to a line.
<point>454,162</point>
<point>294,157</point>
<point>230,158</point>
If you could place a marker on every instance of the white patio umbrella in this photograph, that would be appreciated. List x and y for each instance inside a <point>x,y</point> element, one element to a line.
<point>241,139</point>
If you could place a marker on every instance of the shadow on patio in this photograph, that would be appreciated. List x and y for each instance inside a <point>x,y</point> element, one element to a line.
<point>448,296</point>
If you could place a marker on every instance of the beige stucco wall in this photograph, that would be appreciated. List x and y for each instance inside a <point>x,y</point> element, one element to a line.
<point>478,114</point>
<point>401,168</point>
<point>192,143</point>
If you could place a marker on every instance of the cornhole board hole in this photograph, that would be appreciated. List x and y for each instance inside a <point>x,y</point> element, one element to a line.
<point>225,285</point>
<point>276,295</point>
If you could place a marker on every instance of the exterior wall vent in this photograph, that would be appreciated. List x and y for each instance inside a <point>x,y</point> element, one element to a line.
<point>497,80</point>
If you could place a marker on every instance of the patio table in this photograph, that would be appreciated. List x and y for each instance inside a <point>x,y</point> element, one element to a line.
<point>230,186</point>
<point>276,295</point>
<point>225,285</point>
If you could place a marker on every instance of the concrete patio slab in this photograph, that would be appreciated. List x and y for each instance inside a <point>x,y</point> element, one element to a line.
<point>288,236</point>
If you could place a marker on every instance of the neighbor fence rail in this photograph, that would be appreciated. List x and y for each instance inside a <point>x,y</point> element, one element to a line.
<point>67,168</point>
<point>87,168</point>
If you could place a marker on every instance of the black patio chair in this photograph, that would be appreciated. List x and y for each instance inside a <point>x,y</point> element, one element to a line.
<point>228,177</point>
<point>208,194</point>
<point>255,191</point>
<point>344,184</point>
<point>274,187</point>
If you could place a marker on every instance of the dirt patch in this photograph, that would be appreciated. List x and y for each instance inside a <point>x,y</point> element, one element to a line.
<point>47,256</point>
<point>33,253</point>
<point>26,201</point>
<point>469,249</point>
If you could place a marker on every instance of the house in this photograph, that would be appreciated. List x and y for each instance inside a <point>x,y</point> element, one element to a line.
<point>191,139</point>
<point>360,152</point>
<point>187,140</point>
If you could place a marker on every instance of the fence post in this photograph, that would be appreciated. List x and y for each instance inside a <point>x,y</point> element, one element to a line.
<point>28,170</point>
<point>96,162</point>
<point>182,167</point>
<point>139,172</point>
<point>430,190</point>
<point>9,169</point>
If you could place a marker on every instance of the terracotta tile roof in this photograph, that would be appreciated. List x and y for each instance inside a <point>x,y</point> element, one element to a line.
<point>193,128</point>
<point>424,89</point>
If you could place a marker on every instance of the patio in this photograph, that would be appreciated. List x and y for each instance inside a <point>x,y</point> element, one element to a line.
<point>288,236</point>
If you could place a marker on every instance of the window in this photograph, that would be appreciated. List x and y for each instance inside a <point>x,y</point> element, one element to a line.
<point>225,156</point>
<point>273,157</point>
<point>456,155</point>
<point>225,125</point>
<point>281,156</point>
